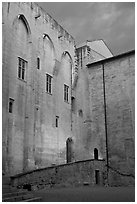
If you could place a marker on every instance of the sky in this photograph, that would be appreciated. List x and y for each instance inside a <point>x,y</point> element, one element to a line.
<point>114,22</point>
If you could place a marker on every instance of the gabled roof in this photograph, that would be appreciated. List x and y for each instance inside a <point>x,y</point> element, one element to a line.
<point>100,47</point>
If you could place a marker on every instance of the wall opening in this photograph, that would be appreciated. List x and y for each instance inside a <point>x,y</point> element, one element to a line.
<point>80,113</point>
<point>69,150</point>
<point>96,154</point>
<point>38,63</point>
<point>97,177</point>
<point>66,93</point>
<point>48,83</point>
<point>73,103</point>
<point>57,121</point>
<point>11,101</point>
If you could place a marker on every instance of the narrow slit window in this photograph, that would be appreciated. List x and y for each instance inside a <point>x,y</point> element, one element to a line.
<point>96,154</point>
<point>38,63</point>
<point>57,121</point>
<point>11,101</point>
<point>72,103</point>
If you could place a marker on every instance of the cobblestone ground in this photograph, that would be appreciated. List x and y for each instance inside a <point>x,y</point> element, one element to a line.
<point>88,194</point>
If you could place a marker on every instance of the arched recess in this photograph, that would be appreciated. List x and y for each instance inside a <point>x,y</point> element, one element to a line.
<point>22,19</point>
<point>22,37</point>
<point>66,53</point>
<point>66,65</point>
<point>69,150</point>
<point>49,53</point>
<point>20,68</point>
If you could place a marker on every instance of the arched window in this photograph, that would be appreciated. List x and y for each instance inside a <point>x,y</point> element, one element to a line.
<point>96,154</point>
<point>69,150</point>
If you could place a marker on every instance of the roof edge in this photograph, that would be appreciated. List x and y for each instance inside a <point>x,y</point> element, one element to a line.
<point>111,58</point>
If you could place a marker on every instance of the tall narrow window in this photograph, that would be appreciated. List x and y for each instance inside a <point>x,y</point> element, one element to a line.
<point>69,150</point>
<point>57,121</point>
<point>22,64</point>
<point>66,93</point>
<point>96,154</point>
<point>11,101</point>
<point>72,103</point>
<point>48,83</point>
<point>97,177</point>
<point>38,63</point>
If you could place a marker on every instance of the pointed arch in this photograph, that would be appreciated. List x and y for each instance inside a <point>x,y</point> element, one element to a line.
<point>24,20</point>
<point>49,54</point>
<point>46,36</point>
<point>67,53</point>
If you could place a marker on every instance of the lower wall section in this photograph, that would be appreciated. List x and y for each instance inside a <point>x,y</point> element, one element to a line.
<point>91,172</point>
<point>120,178</point>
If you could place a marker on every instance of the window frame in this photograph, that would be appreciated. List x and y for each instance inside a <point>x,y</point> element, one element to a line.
<point>22,67</point>
<point>48,84</point>
<point>66,93</point>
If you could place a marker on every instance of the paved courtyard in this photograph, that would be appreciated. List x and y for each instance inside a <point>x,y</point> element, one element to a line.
<point>88,194</point>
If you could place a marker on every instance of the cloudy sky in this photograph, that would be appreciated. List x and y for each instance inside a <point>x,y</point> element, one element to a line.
<point>112,22</point>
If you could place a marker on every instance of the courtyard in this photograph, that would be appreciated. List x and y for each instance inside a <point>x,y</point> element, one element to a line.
<point>88,194</point>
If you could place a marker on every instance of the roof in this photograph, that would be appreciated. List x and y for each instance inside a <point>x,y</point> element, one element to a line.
<point>131,52</point>
<point>100,47</point>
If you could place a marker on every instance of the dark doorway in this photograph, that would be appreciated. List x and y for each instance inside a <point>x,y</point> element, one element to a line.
<point>96,153</point>
<point>69,151</point>
<point>97,179</point>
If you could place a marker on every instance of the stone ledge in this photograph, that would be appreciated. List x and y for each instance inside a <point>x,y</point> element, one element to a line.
<point>52,167</point>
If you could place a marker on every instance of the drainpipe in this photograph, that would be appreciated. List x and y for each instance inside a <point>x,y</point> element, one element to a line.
<point>71,98</point>
<point>105,114</point>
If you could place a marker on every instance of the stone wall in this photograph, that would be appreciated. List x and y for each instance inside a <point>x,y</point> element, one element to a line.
<point>72,174</point>
<point>30,136</point>
<point>88,115</point>
<point>114,79</point>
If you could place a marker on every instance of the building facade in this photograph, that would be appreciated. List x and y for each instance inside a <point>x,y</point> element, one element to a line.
<point>63,103</point>
<point>38,62</point>
<point>103,120</point>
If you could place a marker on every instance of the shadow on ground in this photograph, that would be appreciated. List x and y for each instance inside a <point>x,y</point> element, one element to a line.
<point>88,194</point>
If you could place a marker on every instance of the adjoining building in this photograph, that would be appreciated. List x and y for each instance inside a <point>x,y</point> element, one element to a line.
<point>104,115</point>
<point>63,103</point>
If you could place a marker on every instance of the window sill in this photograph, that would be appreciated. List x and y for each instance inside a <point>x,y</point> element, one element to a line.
<point>22,80</point>
<point>66,102</point>
<point>49,93</point>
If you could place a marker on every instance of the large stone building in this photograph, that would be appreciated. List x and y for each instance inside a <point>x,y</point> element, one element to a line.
<point>63,103</point>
